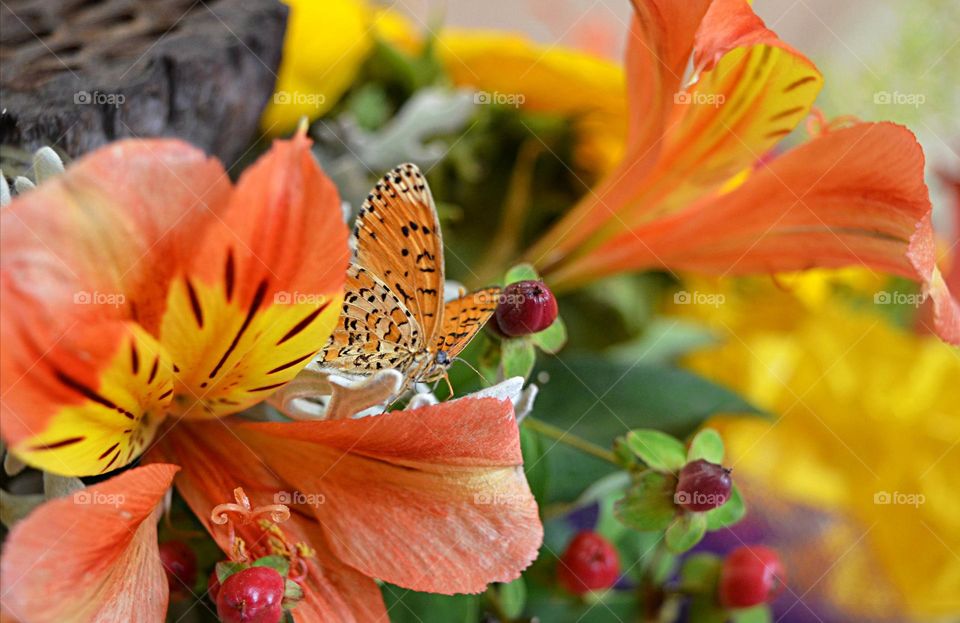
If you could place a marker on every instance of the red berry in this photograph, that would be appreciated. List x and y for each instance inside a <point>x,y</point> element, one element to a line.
<point>180,563</point>
<point>703,486</point>
<point>590,563</point>
<point>254,595</point>
<point>213,586</point>
<point>526,307</point>
<point>750,575</point>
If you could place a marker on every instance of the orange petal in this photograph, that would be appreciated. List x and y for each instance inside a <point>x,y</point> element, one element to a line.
<point>85,261</point>
<point>731,24</point>
<point>113,229</point>
<point>659,46</point>
<point>946,309</point>
<point>751,90</point>
<point>83,402</point>
<point>854,196</point>
<point>263,290</point>
<point>433,499</point>
<point>334,590</point>
<point>943,308</point>
<point>215,461</point>
<point>658,49</point>
<point>91,557</point>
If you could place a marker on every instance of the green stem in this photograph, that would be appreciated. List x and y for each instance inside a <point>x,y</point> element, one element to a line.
<point>553,432</point>
<point>652,594</point>
<point>493,598</point>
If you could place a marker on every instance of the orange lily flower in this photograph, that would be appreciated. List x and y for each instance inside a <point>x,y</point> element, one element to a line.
<point>684,196</point>
<point>145,299</point>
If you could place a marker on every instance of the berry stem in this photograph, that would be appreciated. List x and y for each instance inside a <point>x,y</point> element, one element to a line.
<point>653,594</point>
<point>568,438</point>
<point>493,598</point>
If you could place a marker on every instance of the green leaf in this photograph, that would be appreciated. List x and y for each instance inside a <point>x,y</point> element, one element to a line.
<point>278,563</point>
<point>518,357</point>
<point>700,573</point>
<point>601,400</point>
<point>406,606</point>
<point>757,614</point>
<point>614,484</point>
<point>728,514</point>
<point>370,106</point>
<point>663,340</point>
<point>395,63</point>
<point>634,298</point>
<point>14,507</point>
<point>685,532</point>
<point>534,463</point>
<point>606,493</point>
<point>648,505</point>
<point>292,593</point>
<point>513,597</point>
<point>521,272</point>
<point>553,338</point>
<point>555,606</point>
<point>614,397</point>
<point>633,545</point>
<point>227,568</point>
<point>658,450</point>
<point>706,445</point>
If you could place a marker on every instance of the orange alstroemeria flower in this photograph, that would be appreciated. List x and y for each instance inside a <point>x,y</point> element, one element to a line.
<point>684,197</point>
<point>145,300</point>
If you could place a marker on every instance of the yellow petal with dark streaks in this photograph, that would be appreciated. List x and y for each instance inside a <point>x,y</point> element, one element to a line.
<point>233,353</point>
<point>106,424</point>
<point>732,116</point>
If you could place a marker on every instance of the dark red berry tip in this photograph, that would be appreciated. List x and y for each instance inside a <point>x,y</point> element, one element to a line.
<point>525,307</point>
<point>703,486</point>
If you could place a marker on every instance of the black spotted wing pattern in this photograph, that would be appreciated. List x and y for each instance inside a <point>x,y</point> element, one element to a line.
<point>398,239</point>
<point>463,318</point>
<point>375,330</point>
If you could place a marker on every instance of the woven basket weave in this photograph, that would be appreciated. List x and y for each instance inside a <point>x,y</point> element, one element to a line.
<point>78,73</point>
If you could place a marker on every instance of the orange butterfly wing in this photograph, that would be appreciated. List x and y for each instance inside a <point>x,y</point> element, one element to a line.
<point>463,318</point>
<point>393,312</point>
<point>375,331</point>
<point>398,239</point>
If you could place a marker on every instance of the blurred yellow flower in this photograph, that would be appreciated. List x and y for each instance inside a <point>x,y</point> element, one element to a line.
<point>551,79</point>
<point>866,426</point>
<point>325,45</point>
<point>327,42</point>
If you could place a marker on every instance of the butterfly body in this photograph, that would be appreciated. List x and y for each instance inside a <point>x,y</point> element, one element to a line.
<point>394,314</point>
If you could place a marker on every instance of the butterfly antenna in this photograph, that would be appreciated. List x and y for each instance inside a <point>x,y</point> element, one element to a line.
<point>469,365</point>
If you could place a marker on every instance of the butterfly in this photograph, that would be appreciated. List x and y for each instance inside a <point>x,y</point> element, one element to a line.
<point>394,315</point>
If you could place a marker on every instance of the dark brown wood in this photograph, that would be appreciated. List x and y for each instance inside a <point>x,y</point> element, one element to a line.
<point>79,73</point>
